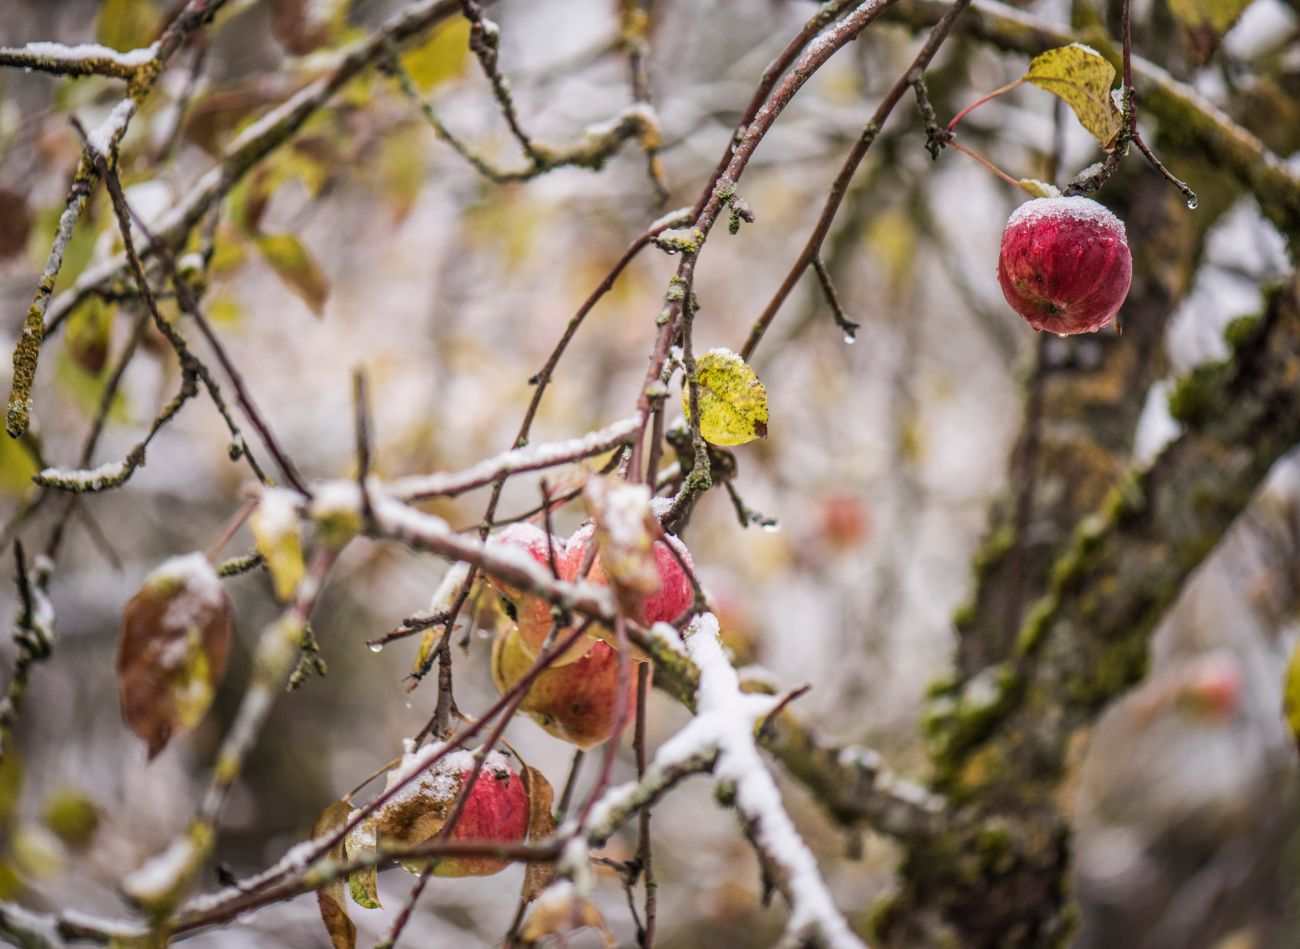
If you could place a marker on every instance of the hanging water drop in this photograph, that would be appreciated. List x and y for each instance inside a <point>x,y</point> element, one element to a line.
<point>1062,335</point>
<point>1192,202</point>
<point>771,526</point>
<point>376,647</point>
<point>850,337</point>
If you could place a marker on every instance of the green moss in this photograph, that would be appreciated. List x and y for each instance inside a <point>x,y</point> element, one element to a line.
<point>1241,330</point>
<point>1034,628</point>
<point>1196,394</point>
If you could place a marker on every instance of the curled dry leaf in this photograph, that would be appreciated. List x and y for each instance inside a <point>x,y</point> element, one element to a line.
<point>333,904</point>
<point>560,911</point>
<point>172,653</point>
<point>541,824</point>
<point>626,531</point>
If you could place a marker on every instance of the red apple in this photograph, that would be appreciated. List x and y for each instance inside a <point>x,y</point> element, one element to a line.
<point>577,702</point>
<point>675,593</point>
<point>497,809</point>
<point>1065,264</point>
<point>533,614</point>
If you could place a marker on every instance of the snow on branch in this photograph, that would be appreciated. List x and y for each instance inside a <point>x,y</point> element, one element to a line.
<point>515,461</point>
<point>84,59</point>
<point>724,728</point>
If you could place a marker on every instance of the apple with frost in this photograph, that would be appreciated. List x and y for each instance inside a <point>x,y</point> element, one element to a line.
<point>497,809</point>
<point>533,614</point>
<point>1065,265</point>
<point>576,702</point>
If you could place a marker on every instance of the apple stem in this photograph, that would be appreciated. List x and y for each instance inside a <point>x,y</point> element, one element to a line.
<point>978,102</point>
<point>985,162</point>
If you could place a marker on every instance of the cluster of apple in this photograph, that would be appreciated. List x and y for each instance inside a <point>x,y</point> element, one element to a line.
<point>576,698</point>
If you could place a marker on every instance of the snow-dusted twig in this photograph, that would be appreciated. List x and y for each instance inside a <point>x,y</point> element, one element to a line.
<point>84,59</point>
<point>116,473</point>
<point>104,139</point>
<point>515,461</point>
<point>724,729</point>
<point>252,145</point>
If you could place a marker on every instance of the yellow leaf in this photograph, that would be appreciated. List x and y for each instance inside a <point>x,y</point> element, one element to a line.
<point>16,468</point>
<point>441,56</point>
<point>1082,77</point>
<point>275,534</point>
<point>128,24</point>
<point>1291,693</point>
<point>1207,20</point>
<point>88,332</point>
<point>1039,189</point>
<point>733,403</point>
<point>296,267</point>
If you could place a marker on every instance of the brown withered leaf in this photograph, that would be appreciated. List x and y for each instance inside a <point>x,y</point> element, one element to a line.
<point>172,653</point>
<point>559,911</point>
<point>541,824</point>
<point>626,530</point>
<point>304,26</point>
<point>330,897</point>
<point>15,223</point>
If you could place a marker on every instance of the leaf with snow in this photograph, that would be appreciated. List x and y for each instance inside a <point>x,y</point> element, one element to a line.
<point>625,530</point>
<point>296,268</point>
<point>362,843</point>
<point>733,403</point>
<point>1081,77</point>
<point>541,825</point>
<point>1039,189</point>
<point>330,897</point>
<point>1206,21</point>
<point>275,534</point>
<point>172,653</point>
<point>561,911</point>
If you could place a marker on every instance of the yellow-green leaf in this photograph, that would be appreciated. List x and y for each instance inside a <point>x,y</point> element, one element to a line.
<point>362,842</point>
<point>1206,21</point>
<point>733,403</point>
<point>128,24</point>
<point>1039,189</point>
<point>276,536</point>
<point>294,265</point>
<point>1082,77</point>
<point>441,56</point>
<point>72,816</point>
<point>88,332</point>
<point>16,469</point>
<point>1291,693</point>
